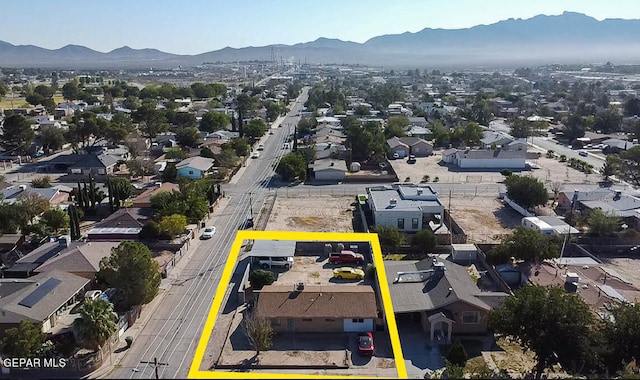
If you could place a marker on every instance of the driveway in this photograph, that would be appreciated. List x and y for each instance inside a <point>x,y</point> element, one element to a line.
<point>419,356</point>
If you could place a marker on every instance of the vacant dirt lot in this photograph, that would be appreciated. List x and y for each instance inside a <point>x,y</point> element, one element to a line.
<point>484,219</point>
<point>550,170</point>
<point>319,214</point>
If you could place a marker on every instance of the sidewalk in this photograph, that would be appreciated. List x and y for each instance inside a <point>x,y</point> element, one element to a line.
<point>149,309</point>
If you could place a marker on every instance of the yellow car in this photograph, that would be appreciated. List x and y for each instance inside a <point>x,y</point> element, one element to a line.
<point>348,273</point>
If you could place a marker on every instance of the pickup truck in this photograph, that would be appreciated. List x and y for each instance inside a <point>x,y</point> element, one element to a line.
<point>343,257</point>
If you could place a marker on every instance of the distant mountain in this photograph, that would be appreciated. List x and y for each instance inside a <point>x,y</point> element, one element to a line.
<point>567,38</point>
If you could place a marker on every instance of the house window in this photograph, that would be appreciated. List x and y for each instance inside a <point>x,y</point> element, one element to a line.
<point>275,321</point>
<point>470,317</point>
<point>306,319</point>
<point>416,150</point>
<point>414,223</point>
<point>357,320</point>
<point>190,171</point>
<point>330,320</point>
<point>401,223</point>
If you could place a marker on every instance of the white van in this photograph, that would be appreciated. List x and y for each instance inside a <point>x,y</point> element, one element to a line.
<point>267,262</point>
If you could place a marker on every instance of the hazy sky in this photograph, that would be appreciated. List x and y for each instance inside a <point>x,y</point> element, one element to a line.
<point>198,26</point>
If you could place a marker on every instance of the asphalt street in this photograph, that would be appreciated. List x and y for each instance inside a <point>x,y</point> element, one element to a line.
<point>172,333</point>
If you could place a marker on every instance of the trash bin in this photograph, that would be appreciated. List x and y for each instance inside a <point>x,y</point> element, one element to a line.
<point>129,341</point>
<point>202,224</point>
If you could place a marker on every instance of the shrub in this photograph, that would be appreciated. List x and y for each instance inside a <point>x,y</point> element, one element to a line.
<point>424,239</point>
<point>259,278</point>
<point>506,172</point>
<point>436,179</point>
<point>457,355</point>
<point>426,178</point>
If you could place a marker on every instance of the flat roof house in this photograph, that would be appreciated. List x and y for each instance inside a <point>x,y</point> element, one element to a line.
<point>322,309</point>
<point>491,159</point>
<point>408,207</point>
<point>328,169</point>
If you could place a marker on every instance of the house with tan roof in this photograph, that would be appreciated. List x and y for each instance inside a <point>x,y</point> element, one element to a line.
<point>144,199</point>
<point>322,309</point>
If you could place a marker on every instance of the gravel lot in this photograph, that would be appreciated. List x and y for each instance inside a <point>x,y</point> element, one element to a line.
<point>318,213</point>
<point>550,170</point>
<point>484,219</point>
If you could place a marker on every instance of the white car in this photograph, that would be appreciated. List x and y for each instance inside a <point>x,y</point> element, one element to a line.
<point>255,154</point>
<point>92,294</point>
<point>208,233</point>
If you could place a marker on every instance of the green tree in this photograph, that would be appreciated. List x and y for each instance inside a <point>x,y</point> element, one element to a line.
<point>188,137</point>
<point>521,128</point>
<point>119,128</point>
<point>96,324</point>
<point>292,166</point>
<point>622,331</point>
<point>575,127</point>
<point>254,129</point>
<point>440,134</point>
<point>259,278</point>
<point>306,126</point>
<point>150,121</point>
<point>608,121</point>
<point>613,166</point>
<point>631,166</point>
<point>527,191</point>
<point>29,206</point>
<point>472,134</point>
<point>214,121</point>
<point>632,107</point>
<point>424,239</point>
<point>51,138</point>
<point>17,135</point>
<point>173,225</point>
<point>555,325</point>
<point>23,341</point>
<point>150,231</point>
<point>395,126</point>
<point>390,237</point>
<point>525,244</point>
<point>132,271</point>
<point>41,182</point>
<point>71,91</point>
<point>260,332</point>
<point>55,219</point>
<point>602,223</point>
<point>239,145</point>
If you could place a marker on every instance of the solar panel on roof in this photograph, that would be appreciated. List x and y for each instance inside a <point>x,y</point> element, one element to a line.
<point>35,296</point>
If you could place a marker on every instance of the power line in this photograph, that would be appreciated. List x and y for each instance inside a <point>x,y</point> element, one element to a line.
<point>156,364</point>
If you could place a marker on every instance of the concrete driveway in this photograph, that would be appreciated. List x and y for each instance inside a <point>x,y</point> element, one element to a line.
<point>419,356</point>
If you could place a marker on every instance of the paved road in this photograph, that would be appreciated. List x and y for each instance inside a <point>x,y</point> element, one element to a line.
<point>171,334</point>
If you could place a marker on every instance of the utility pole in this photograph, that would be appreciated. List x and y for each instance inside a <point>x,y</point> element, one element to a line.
<point>251,205</point>
<point>156,364</point>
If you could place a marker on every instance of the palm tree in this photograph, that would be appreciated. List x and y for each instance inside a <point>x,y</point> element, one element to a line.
<point>97,322</point>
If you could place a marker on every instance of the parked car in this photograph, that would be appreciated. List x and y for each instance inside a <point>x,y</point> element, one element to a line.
<point>583,153</point>
<point>248,223</point>
<point>255,154</point>
<point>365,344</point>
<point>345,257</point>
<point>92,294</point>
<point>275,261</point>
<point>348,273</point>
<point>208,233</point>
<point>411,159</point>
<point>261,147</point>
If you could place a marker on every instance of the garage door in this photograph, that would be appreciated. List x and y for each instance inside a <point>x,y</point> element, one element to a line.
<point>358,325</point>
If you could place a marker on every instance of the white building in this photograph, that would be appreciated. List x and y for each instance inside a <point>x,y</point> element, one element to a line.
<point>410,208</point>
<point>548,225</point>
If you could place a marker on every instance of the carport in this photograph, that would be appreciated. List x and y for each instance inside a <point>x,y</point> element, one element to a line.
<point>272,248</point>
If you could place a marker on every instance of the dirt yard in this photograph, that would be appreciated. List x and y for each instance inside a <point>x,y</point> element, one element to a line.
<point>315,214</point>
<point>484,219</point>
<point>549,170</point>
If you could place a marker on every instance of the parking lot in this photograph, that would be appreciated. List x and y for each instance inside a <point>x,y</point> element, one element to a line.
<point>314,270</point>
<point>545,169</point>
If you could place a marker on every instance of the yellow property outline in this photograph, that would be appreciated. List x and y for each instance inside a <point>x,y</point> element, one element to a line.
<point>392,328</point>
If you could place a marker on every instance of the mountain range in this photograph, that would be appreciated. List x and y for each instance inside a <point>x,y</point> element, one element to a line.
<point>566,38</point>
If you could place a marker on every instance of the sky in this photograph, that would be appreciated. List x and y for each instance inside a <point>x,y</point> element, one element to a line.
<point>199,26</point>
